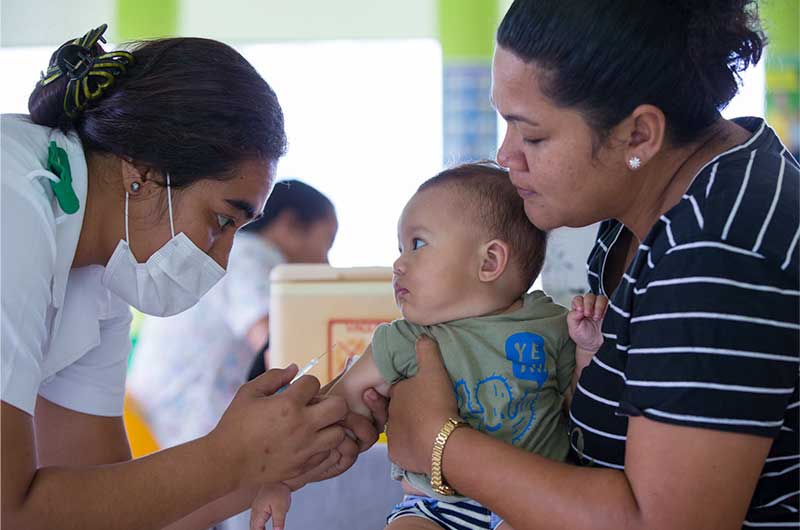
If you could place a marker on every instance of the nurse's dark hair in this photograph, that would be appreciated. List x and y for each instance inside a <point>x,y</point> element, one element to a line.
<point>606,57</point>
<point>500,212</point>
<point>188,106</point>
<point>306,203</point>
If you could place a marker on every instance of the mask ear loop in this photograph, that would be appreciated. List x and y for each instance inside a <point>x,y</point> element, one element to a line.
<point>127,236</point>
<point>169,202</point>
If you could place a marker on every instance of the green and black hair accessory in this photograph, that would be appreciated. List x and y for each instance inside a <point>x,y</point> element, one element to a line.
<point>89,73</point>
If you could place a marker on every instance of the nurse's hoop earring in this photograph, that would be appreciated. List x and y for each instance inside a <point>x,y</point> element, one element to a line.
<point>135,187</point>
<point>634,162</point>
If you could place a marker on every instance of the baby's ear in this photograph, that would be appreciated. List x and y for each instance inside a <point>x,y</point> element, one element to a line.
<point>494,260</point>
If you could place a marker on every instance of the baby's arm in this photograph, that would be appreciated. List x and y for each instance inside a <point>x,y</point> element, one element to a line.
<point>351,385</point>
<point>585,321</point>
<point>273,500</point>
<point>363,375</point>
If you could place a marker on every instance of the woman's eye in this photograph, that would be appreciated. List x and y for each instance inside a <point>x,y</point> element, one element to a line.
<point>417,243</point>
<point>223,221</point>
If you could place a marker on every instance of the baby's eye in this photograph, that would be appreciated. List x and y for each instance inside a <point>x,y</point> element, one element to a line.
<point>417,243</point>
<point>223,221</point>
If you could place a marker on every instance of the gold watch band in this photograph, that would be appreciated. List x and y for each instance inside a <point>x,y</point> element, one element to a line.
<point>437,481</point>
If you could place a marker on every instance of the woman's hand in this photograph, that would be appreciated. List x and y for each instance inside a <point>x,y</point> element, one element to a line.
<point>418,409</point>
<point>272,438</point>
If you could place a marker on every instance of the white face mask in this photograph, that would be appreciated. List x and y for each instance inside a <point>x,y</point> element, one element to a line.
<point>171,281</point>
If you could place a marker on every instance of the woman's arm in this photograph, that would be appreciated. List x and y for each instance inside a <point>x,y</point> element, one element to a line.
<point>258,439</point>
<point>675,477</point>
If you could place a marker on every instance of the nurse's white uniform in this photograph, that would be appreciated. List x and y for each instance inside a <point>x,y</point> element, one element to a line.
<point>64,336</point>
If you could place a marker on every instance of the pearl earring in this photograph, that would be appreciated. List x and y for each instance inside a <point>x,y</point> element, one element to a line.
<point>634,162</point>
<point>135,186</point>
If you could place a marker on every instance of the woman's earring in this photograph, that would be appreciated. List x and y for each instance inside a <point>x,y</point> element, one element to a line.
<point>634,162</point>
<point>135,187</point>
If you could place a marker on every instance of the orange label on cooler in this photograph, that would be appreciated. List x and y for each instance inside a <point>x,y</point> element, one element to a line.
<point>348,337</point>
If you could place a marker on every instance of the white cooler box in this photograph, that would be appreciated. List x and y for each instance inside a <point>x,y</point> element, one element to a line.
<point>318,308</point>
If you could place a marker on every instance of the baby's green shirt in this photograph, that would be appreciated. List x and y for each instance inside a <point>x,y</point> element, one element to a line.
<point>509,371</point>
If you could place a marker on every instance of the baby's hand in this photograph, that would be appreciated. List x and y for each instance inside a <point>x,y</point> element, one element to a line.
<point>585,320</point>
<point>273,500</point>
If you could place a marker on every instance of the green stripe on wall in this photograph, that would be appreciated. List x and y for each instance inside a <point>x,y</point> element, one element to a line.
<point>146,19</point>
<point>467,29</point>
<point>781,21</point>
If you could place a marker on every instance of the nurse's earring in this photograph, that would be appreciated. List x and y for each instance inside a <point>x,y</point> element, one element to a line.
<point>135,186</point>
<point>634,163</point>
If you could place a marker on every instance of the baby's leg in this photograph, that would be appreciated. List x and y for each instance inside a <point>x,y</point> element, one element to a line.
<point>412,522</point>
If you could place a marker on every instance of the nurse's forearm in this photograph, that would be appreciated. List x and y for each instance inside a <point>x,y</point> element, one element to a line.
<point>150,492</point>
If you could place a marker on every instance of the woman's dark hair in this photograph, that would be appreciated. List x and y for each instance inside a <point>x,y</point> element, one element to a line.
<point>192,107</point>
<point>501,212</point>
<point>307,204</point>
<point>606,57</point>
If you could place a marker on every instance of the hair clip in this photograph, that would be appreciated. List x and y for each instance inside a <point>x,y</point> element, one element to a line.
<point>89,74</point>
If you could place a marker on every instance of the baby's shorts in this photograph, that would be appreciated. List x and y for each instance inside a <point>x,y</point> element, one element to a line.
<point>460,515</point>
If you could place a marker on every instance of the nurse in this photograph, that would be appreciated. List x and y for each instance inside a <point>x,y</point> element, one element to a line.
<point>124,187</point>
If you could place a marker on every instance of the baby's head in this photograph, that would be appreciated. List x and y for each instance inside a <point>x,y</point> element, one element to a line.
<point>466,246</point>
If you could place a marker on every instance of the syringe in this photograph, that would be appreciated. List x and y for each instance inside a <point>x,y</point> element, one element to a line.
<point>303,371</point>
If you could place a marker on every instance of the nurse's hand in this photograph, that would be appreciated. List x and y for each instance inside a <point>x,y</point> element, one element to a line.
<point>361,436</point>
<point>268,438</point>
<point>418,408</point>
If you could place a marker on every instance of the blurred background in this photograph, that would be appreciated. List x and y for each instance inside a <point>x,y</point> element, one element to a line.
<point>378,94</point>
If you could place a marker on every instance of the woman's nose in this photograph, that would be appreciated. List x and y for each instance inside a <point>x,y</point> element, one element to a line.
<point>509,155</point>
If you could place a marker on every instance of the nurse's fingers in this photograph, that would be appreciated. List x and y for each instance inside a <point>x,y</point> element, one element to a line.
<point>319,466</point>
<point>313,462</point>
<point>379,406</point>
<point>269,382</point>
<point>304,389</point>
<point>330,410</point>
<point>363,428</point>
<point>326,439</point>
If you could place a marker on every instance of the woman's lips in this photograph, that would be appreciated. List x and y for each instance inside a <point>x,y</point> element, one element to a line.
<point>525,194</point>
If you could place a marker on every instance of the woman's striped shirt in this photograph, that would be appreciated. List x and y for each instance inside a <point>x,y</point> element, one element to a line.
<point>704,328</point>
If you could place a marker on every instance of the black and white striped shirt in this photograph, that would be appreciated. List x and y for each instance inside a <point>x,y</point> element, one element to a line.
<point>704,328</point>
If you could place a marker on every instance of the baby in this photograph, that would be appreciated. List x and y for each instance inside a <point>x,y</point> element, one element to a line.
<point>468,256</point>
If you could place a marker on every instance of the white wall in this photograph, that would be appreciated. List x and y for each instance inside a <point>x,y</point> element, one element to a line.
<point>271,20</point>
<point>48,22</point>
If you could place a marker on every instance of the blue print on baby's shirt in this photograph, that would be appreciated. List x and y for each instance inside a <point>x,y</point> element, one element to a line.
<point>526,352</point>
<point>492,402</point>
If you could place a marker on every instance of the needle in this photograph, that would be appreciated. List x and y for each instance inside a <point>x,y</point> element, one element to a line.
<point>303,371</point>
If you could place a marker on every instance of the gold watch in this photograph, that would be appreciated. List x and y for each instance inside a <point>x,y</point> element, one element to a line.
<point>437,482</point>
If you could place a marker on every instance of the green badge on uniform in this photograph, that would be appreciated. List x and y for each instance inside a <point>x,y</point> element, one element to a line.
<point>58,164</point>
